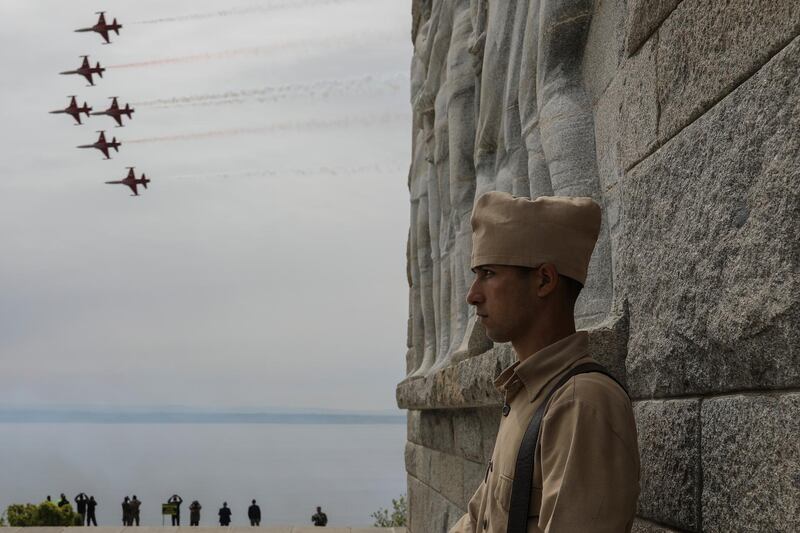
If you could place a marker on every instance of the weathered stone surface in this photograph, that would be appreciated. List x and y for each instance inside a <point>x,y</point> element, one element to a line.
<point>706,48</point>
<point>710,251</point>
<point>418,461</point>
<point>626,117</point>
<point>429,511</point>
<point>413,431</point>
<point>470,383</point>
<point>604,46</point>
<point>644,17</point>
<point>466,384</point>
<point>436,430</point>
<point>447,476</point>
<point>473,476</point>
<point>467,436</point>
<point>643,526</point>
<point>751,463</point>
<point>490,423</point>
<point>669,446</point>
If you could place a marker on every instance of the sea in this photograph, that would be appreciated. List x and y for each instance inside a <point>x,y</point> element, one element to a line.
<point>349,469</point>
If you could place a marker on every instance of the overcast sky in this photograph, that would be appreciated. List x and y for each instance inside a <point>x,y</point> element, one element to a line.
<point>265,265</point>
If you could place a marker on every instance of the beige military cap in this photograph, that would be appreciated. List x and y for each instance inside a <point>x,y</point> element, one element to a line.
<point>562,230</point>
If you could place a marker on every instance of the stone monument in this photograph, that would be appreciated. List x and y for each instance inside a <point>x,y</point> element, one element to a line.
<point>682,119</point>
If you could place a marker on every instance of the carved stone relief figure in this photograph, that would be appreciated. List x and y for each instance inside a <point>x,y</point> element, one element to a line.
<point>498,105</point>
<point>455,110</point>
<point>422,314</point>
<point>558,125</point>
<point>497,43</point>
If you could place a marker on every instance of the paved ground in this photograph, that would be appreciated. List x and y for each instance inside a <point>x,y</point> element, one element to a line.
<point>271,529</point>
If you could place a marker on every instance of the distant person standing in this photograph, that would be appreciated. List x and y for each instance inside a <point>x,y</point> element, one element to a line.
<point>225,515</point>
<point>135,504</point>
<point>320,518</point>
<point>49,500</point>
<point>254,514</point>
<point>126,511</point>
<point>176,516</point>
<point>194,513</point>
<point>91,519</point>
<point>80,503</point>
<point>63,501</point>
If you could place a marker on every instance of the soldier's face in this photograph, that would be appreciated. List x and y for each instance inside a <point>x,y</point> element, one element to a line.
<point>505,301</point>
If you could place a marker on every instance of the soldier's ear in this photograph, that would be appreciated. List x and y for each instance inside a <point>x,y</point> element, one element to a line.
<point>547,279</point>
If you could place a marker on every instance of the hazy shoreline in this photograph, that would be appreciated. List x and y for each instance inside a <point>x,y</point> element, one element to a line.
<point>47,416</point>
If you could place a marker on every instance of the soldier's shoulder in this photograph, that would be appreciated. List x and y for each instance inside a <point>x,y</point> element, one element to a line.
<point>595,390</point>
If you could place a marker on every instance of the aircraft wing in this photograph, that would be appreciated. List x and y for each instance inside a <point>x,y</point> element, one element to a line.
<point>118,118</point>
<point>88,76</point>
<point>76,115</point>
<point>133,188</point>
<point>104,148</point>
<point>104,33</point>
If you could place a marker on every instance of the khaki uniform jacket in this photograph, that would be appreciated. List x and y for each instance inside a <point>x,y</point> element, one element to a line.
<point>586,474</point>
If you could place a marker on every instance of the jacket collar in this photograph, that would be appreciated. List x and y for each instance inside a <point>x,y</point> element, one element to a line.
<point>544,366</point>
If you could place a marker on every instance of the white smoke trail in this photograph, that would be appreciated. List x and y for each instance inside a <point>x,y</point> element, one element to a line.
<point>279,5</point>
<point>308,45</point>
<point>320,89</point>
<point>333,171</point>
<point>367,120</point>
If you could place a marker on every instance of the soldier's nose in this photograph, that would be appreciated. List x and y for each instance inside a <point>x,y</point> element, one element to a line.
<point>474,297</point>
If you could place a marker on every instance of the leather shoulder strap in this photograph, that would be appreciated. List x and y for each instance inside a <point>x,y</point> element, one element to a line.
<point>523,473</point>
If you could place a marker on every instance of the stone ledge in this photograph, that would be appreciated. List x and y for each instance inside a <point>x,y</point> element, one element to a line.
<point>469,383</point>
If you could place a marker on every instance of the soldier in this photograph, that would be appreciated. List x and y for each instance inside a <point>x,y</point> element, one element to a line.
<point>177,500</point>
<point>577,469</point>
<point>194,513</point>
<point>91,519</point>
<point>135,504</point>
<point>80,502</point>
<point>225,515</point>
<point>320,518</point>
<point>254,514</point>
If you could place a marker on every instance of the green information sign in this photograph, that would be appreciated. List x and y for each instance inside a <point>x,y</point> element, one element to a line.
<point>169,509</point>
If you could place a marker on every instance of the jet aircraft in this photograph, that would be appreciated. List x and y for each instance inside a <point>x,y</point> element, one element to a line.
<point>102,27</point>
<point>74,110</point>
<point>131,181</point>
<point>86,70</point>
<point>104,145</point>
<point>115,112</point>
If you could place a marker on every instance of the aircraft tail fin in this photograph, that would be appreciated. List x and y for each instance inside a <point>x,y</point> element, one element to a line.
<point>116,26</point>
<point>99,70</point>
<point>115,143</point>
<point>145,181</point>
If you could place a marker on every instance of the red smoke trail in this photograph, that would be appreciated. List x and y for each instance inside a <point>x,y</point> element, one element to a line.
<point>280,126</point>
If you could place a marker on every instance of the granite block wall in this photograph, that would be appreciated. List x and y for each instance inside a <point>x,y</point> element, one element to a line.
<point>682,119</point>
